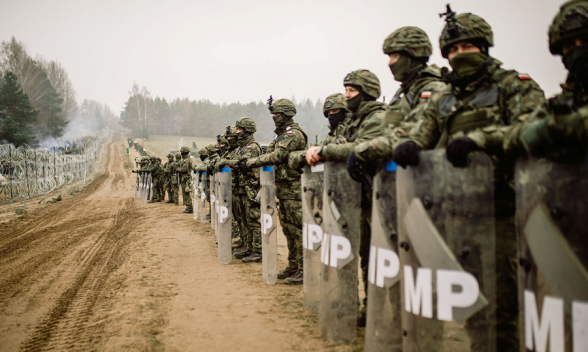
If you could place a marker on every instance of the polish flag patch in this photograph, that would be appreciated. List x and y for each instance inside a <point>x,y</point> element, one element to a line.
<point>524,76</point>
<point>426,94</point>
<point>289,132</point>
<point>248,147</point>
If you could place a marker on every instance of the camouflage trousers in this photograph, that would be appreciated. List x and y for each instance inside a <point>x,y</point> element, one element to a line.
<point>186,193</point>
<point>155,189</point>
<point>249,221</point>
<point>290,213</point>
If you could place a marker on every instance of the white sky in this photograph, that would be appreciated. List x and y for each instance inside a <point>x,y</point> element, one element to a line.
<point>245,50</point>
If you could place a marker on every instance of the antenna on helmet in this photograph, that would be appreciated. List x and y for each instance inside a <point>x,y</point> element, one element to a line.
<point>269,103</point>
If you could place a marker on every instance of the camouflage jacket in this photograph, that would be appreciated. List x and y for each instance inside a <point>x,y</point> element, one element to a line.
<point>248,182</point>
<point>490,111</point>
<point>154,169</point>
<point>184,168</point>
<point>288,139</point>
<point>404,113</point>
<point>335,136</point>
<point>365,125</point>
<point>231,155</point>
<point>568,115</point>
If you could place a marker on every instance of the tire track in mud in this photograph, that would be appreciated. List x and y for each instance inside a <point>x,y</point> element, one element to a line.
<point>68,324</point>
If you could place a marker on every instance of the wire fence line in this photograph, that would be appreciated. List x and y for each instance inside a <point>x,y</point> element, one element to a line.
<point>26,173</point>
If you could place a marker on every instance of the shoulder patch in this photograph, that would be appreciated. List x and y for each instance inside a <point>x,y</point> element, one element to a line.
<point>524,76</point>
<point>426,94</point>
<point>248,147</point>
<point>289,132</point>
<point>288,128</point>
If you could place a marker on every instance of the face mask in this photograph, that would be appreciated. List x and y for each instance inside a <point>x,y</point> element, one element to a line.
<point>404,68</point>
<point>279,120</point>
<point>467,64</point>
<point>576,61</point>
<point>353,103</point>
<point>232,141</point>
<point>335,119</point>
<point>203,157</point>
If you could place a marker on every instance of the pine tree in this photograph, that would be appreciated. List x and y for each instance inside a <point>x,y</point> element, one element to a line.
<point>16,113</point>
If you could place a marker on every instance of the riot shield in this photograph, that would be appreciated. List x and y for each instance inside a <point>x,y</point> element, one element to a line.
<point>213,203</point>
<point>552,204</point>
<point>338,306</point>
<point>137,186</point>
<point>141,184</point>
<point>312,232</point>
<point>383,331</point>
<point>269,222</point>
<point>196,195</point>
<point>447,254</point>
<point>149,187</point>
<point>203,199</point>
<point>224,215</point>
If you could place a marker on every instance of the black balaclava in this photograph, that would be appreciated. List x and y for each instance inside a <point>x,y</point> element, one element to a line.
<point>335,119</point>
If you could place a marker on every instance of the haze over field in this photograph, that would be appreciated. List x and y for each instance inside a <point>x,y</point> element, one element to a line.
<point>229,51</point>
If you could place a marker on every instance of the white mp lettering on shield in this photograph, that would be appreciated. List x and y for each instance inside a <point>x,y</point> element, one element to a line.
<point>420,295</point>
<point>340,252</point>
<point>223,214</point>
<point>266,223</point>
<point>447,299</point>
<point>314,236</point>
<point>384,266</point>
<point>549,326</point>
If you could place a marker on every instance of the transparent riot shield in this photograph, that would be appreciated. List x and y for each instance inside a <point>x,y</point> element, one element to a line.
<point>269,222</point>
<point>149,187</point>
<point>225,215</point>
<point>338,306</point>
<point>203,199</point>
<point>141,184</point>
<point>137,186</point>
<point>312,233</point>
<point>552,205</point>
<point>447,254</point>
<point>213,203</point>
<point>383,331</point>
<point>196,195</point>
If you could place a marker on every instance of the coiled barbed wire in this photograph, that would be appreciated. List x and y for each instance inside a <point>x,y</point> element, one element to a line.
<point>28,172</point>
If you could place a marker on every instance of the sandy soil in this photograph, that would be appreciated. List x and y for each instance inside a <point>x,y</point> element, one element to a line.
<point>103,271</point>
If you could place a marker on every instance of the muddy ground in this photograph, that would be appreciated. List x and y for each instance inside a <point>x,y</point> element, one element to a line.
<point>103,271</point>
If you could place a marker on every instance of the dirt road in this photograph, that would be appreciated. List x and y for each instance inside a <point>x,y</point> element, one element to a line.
<point>102,271</point>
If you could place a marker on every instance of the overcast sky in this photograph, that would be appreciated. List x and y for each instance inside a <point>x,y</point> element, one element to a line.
<point>245,50</point>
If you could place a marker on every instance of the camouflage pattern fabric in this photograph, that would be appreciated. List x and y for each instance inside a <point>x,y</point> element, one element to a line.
<point>185,170</point>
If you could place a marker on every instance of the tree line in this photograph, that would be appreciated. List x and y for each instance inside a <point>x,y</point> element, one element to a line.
<point>38,100</point>
<point>145,115</point>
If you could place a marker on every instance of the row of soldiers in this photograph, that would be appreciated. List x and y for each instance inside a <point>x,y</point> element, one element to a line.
<point>477,106</point>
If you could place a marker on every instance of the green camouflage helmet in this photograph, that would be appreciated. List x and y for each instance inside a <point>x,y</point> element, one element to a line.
<point>178,156</point>
<point>570,22</point>
<point>212,148</point>
<point>411,40</point>
<point>247,124</point>
<point>365,80</point>
<point>467,27</point>
<point>284,106</point>
<point>221,138</point>
<point>184,150</point>
<point>159,159</point>
<point>170,155</point>
<point>152,157</point>
<point>203,151</point>
<point>334,101</point>
<point>231,131</point>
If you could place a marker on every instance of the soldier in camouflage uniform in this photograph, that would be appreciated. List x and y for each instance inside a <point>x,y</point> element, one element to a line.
<point>560,133</point>
<point>175,178</point>
<point>289,138</point>
<point>161,181</point>
<point>335,110</point>
<point>483,108</point>
<point>244,201</point>
<point>409,49</point>
<point>184,170</point>
<point>168,168</point>
<point>203,168</point>
<point>362,88</point>
<point>154,169</point>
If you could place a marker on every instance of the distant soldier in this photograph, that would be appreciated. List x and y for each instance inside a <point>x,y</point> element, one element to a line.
<point>185,172</point>
<point>167,169</point>
<point>175,178</point>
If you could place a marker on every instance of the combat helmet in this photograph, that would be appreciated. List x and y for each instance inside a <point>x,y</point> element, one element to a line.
<point>222,139</point>
<point>184,150</point>
<point>364,80</point>
<point>231,131</point>
<point>411,40</point>
<point>570,22</point>
<point>170,155</point>
<point>203,151</point>
<point>334,101</point>
<point>248,125</point>
<point>212,148</point>
<point>152,158</point>
<point>465,27</point>
<point>283,106</point>
<point>178,156</point>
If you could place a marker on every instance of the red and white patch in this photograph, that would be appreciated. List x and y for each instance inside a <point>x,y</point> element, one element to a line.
<point>524,76</point>
<point>426,94</point>
<point>248,147</point>
<point>289,132</point>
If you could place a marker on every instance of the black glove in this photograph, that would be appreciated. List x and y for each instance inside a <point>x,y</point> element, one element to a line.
<point>458,150</point>
<point>355,167</point>
<point>133,171</point>
<point>407,154</point>
<point>243,165</point>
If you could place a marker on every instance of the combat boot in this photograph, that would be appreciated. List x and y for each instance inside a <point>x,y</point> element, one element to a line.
<point>253,258</point>
<point>243,254</point>
<point>287,273</point>
<point>188,211</point>
<point>151,201</point>
<point>295,279</point>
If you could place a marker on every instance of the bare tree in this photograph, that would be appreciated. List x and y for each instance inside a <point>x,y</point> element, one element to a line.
<point>60,81</point>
